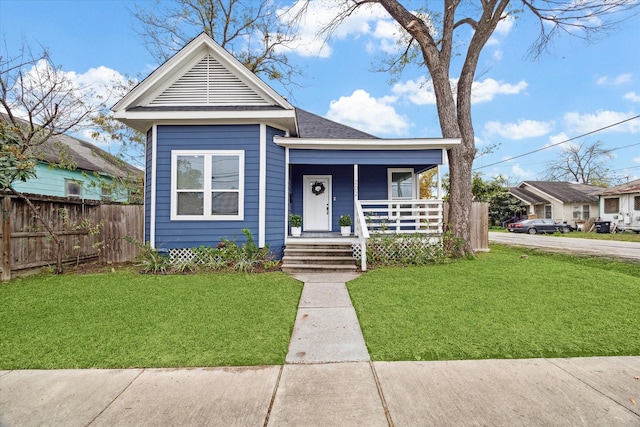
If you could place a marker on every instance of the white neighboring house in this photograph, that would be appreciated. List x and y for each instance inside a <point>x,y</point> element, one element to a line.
<point>564,202</point>
<point>621,206</point>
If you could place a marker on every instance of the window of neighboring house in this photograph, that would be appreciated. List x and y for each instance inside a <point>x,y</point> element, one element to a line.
<point>548,214</point>
<point>636,203</point>
<point>73,188</point>
<point>105,193</point>
<point>612,205</point>
<point>401,184</point>
<point>577,212</point>
<point>207,185</point>
<point>580,212</point>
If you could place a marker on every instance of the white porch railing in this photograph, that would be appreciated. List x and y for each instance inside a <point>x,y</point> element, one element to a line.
<point>396,217</point>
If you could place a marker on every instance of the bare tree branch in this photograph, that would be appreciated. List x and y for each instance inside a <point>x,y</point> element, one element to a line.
<point>39,102</point>
<point>252,31</point>
<point>429,40</point>
<point>584,163</point>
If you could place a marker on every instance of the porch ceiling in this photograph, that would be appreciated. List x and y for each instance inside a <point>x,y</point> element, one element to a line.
<point>425,158</point>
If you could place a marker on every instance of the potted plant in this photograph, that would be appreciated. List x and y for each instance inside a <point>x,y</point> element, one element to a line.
<point>295,222</point>
<point>345,225</point>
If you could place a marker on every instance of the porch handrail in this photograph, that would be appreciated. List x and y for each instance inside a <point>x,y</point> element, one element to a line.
<point>404,216</point>
<point>424,216</point>
<point>362,232</point>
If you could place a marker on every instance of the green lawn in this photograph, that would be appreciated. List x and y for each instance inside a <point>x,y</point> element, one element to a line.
<point>501,306</point>
<point>124,319</point>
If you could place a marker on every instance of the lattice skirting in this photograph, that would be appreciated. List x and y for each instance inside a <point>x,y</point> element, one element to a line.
<point>398,247</point>
<point>180,255</point>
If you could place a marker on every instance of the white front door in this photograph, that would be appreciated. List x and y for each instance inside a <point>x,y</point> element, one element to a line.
<point>316,199</point>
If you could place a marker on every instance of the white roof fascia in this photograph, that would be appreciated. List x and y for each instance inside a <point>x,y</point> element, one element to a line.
<point>143,120</point>
<point>367,144</point>
<point>156,115</point>
<point>166,73</point>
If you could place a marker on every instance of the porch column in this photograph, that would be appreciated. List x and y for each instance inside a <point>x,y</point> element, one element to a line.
<point>287,189</point>
<point>262,185</point>
<point>355,182</point>
<point>439,183</point>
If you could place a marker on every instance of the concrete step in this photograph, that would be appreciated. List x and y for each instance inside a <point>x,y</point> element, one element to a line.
<point>317,259</point>
<point>320,246</point>
<point>318,252</point>
<point>317,268</point>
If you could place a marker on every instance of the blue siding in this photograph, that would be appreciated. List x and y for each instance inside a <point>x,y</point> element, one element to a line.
<point>186,234</point>
<point>373,182</point>
<point>276,193</point>
<point>365,157</point>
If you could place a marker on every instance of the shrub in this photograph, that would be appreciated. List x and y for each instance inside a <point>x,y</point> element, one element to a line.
<point>295,220</point>
<point>227,255</point>
<point>344,220</point>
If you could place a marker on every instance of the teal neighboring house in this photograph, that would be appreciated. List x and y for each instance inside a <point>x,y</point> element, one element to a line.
<point>93,174</point>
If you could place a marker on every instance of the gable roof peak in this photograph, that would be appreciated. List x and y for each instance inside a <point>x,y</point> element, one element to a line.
<point>202,73</point>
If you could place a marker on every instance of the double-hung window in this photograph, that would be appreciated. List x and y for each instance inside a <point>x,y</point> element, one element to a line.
<point>207,185</point>
<point>401,184</point>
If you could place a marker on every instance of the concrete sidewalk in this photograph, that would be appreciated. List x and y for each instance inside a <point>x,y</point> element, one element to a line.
<point>539,392</point>
<point>329,381</point>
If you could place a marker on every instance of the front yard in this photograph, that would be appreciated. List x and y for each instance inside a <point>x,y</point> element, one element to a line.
<point>125,319</point>
<point>509,303</point>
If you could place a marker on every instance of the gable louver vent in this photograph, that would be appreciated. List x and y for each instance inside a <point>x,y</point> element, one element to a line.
<point>209,83</point>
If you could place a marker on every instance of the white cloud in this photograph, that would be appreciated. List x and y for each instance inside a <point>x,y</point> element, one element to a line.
<point>632,96</point>
<point>485,90</point>
<point>618,80</point>
<point>100,81</point>
<point>316,16</point>
<point>94,87</point>
<point>502,30</point>
<point>521,174</point>
<point>582,123</point>
<point>636,160</point>
<point>421,92</point>
<point>521,130</point>
<point>556,139</point>
<point>362,111</point>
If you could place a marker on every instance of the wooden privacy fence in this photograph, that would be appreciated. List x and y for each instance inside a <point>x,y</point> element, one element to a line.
<point>479,219</point>
<point>91,231</point>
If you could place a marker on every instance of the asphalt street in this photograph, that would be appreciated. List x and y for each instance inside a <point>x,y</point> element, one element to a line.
<point>604,248</point>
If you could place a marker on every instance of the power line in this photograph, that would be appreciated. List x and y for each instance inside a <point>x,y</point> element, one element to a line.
<point>561,142</point>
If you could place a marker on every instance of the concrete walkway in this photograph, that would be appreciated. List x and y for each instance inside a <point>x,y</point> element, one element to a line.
<point>326,328</point>
<point>329,381</point>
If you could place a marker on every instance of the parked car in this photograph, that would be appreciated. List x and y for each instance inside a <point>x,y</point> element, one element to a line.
<point>535,226</point>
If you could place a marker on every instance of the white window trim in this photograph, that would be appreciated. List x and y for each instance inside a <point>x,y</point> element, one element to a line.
<point>207,172</point>
<point>390,172</point>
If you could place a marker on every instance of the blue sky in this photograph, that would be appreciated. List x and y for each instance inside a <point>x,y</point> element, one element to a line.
<point>520,104</point>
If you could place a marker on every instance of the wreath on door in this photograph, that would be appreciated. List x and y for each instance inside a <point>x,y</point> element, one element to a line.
<point>317,188</point>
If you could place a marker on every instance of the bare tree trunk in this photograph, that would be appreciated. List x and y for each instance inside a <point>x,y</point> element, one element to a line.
<point>56,239</point>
